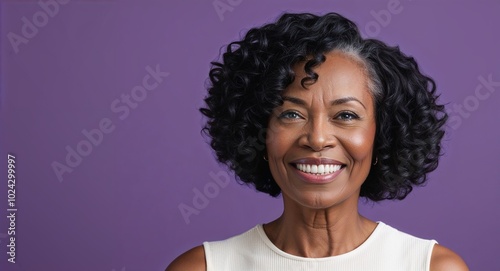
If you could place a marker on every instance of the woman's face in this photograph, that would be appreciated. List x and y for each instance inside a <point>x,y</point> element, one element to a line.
<point>320,141</point>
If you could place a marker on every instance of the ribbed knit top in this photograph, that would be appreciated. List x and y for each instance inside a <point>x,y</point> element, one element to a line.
<point>386,249</point>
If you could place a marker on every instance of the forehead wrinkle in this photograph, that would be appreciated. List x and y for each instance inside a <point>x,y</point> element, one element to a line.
<point>346,53</point>
<point>330,76</point>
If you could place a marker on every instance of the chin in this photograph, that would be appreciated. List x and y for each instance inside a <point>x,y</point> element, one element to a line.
<point>320,200</point>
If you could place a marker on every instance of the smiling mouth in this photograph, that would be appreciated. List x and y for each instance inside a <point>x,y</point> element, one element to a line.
<point>321,169</point>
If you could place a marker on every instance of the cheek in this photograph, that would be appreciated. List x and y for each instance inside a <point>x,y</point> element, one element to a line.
<point>277,145</point>
<point>359,145</point>
<point>277,141</point>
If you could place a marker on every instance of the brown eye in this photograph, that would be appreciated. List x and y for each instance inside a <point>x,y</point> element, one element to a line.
<point>289,115</point>
<point>347,116</point>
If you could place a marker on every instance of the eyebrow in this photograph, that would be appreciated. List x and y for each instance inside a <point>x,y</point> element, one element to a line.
<point>334,102</point>
<point>346,100</point>
<point>294,100</point>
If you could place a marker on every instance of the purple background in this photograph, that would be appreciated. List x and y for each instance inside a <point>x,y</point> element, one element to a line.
<point>119,209</point>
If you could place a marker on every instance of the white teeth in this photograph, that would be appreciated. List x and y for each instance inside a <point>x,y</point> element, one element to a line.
<point>321,169</point>
<point>318,169</point>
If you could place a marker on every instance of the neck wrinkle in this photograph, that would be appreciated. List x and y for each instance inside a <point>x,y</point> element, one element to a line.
<point>311,233</point>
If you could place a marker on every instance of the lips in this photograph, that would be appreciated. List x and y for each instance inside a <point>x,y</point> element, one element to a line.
<point>317,170</point>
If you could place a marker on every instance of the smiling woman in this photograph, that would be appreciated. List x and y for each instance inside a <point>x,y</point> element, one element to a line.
<point>344,118</point>
<point>330,124</point>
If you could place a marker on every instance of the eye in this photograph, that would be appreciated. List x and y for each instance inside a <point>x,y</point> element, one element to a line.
<point>347,116</point>
<point>289,115</point>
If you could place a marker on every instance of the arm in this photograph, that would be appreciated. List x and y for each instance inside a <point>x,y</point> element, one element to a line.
<point>193,260</point>
<point>443,259</point>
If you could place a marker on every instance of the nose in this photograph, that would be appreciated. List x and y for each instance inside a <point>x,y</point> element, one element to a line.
<point>319,135</point>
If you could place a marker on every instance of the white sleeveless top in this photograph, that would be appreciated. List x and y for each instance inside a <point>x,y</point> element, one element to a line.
<point>386,249</point>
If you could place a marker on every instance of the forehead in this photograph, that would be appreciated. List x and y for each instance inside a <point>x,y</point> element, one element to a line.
<point>340,75</point>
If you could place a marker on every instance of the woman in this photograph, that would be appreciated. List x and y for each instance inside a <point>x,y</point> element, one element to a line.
<point>341,117</point>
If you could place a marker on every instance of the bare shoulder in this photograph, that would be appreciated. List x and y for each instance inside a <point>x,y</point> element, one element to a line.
<point>444,259</point>
<point>193,260</point>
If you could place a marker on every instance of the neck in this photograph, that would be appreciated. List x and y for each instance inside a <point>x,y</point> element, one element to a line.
<point>316,233</point>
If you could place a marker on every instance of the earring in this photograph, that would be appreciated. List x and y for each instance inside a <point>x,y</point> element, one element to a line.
<point>265,157</point>
<point>376,161</point>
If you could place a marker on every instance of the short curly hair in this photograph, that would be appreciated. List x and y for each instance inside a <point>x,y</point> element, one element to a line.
<point>246,85</point>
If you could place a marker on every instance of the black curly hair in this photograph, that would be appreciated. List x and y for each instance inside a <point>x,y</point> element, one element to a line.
<point>246,85</point>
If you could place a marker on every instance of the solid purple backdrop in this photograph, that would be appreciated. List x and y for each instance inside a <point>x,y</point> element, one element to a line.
<point>118,208</point>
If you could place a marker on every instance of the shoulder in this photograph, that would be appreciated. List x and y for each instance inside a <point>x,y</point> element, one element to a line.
<point>193,260</point>
<point>444,259</point>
